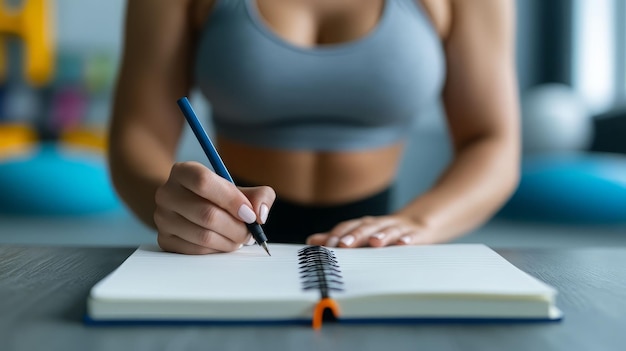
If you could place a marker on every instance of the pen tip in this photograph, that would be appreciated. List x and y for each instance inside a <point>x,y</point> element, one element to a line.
<point>264,245</point>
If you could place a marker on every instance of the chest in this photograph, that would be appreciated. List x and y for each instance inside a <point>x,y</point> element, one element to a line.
<point>317,22</point>
<point>243,65</point>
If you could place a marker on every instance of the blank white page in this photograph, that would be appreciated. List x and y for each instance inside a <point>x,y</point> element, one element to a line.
<point>457,269</point>
<point>250,274</point>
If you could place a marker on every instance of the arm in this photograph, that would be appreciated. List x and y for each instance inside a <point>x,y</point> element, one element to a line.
<point>146,125</point>
<point>481,103</point>
<point>194,210</point>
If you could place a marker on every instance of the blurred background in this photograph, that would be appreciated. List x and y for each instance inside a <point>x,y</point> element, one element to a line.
<point>58,64</point>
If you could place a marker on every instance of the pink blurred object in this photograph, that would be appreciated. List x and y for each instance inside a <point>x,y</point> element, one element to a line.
<point>69,106</point>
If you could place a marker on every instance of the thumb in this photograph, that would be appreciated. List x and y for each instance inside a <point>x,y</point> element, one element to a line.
<point>262,198</point>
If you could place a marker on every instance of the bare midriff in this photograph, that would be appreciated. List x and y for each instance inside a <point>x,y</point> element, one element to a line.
<point>313,177</point>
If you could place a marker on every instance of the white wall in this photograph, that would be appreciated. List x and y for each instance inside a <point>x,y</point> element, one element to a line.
<point>89,24</point>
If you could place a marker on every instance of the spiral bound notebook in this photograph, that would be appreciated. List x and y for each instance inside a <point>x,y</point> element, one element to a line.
<point>306,284</point>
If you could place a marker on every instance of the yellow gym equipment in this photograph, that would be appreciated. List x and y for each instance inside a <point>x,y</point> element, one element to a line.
<point>33,24</point>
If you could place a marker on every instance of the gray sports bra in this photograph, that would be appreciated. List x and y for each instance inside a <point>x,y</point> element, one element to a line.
<point>366,93</point>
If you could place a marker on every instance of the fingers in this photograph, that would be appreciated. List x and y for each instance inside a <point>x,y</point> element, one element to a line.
<point>262,198</point>
<point>206,184</point>
<point>345,234</point>
<point>318,239</point>
<point>172,243</point>
<point>171,223</point>
<point>356,233</point>
<point>199,212</point>
<point>370,231</point>
<point>392,235</point>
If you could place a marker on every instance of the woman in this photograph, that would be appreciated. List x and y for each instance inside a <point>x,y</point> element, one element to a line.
<point>312,101</point>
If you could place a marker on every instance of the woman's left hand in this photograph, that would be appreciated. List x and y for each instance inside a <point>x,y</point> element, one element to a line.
<point>375,232</point>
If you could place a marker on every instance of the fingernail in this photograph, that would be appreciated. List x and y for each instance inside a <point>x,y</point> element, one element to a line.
<point>406,239</point>
<point>378,236</point>
<point>332,241</point>
<point>246,214</point>
<point>251,241</point>
<point>347,240</point>
<point>240,246</point>
<point>264,212</point>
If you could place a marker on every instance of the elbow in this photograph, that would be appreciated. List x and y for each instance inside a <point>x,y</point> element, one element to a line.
<point>115,177</point>
<point>114,162</point>
<point>512,182</point>
<point>510,177</point>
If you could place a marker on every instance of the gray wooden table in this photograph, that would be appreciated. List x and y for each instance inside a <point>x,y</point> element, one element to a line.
<point>43,292</point>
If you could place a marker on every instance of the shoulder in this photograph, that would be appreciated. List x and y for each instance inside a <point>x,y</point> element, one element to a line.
<point>440,14</point>
<point>449,16</point>
<point>490,18</point>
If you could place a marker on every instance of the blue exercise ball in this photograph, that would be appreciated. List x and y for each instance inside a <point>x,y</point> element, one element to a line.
<point>56,180</point>
<point>583,188</point>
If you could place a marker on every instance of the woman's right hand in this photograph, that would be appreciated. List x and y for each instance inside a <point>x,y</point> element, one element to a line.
<point>199,212</point>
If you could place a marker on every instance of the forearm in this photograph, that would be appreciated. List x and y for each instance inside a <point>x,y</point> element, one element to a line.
<point>480,179</point>
<point>138,166</point>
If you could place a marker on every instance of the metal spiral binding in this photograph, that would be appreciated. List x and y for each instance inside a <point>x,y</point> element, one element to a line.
<point>319,269</point>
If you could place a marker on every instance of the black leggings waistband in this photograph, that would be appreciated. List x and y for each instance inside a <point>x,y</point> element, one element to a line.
<point>290,222</point>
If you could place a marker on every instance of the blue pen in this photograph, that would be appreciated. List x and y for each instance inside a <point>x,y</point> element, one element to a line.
<point>216,161</point>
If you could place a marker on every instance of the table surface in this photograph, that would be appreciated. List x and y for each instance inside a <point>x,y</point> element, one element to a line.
<point>43,292</point>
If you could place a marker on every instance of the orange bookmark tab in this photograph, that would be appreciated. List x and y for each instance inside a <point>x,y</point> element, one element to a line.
<point>318,314</point>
